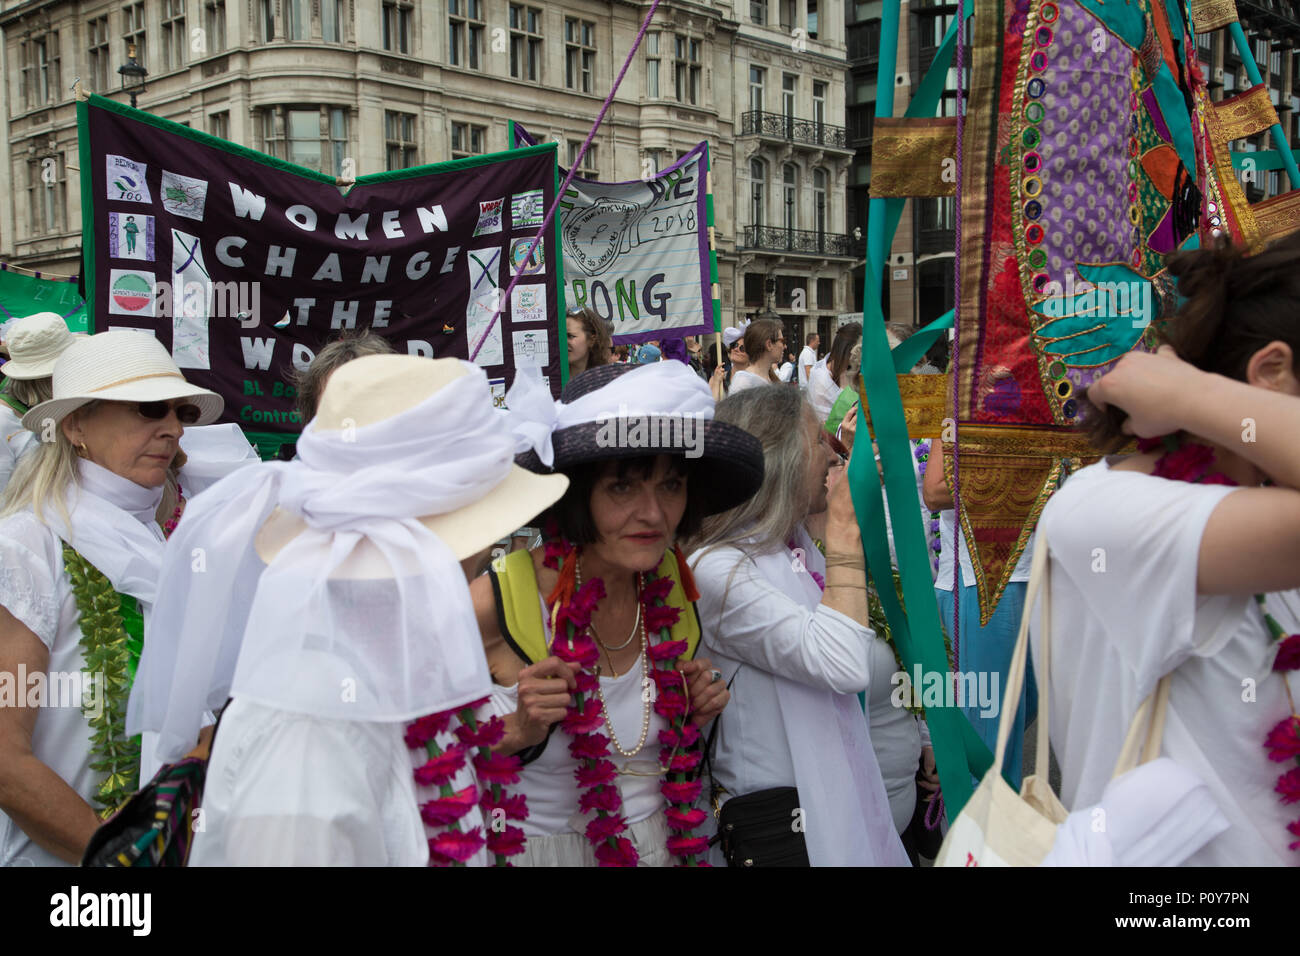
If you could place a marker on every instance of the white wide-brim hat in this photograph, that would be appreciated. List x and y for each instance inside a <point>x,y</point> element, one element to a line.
<point>375,388</point>
<point>35,343</point>
<point>121,366</point>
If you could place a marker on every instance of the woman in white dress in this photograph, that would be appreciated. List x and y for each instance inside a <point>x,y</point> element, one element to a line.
<point>34,343</point>
<point>835,371</point>
<point>1159,566</point>
<point>85,502</point>
<point>787,628</point>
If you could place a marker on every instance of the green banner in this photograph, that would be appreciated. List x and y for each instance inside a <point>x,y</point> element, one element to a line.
<point>22,295</point>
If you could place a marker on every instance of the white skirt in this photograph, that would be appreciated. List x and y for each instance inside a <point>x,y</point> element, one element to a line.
<point>650,838</point>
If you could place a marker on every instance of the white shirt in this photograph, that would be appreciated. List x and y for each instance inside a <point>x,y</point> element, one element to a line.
<point>287,789</point>
<point>1125,612</point>
<point>949,536</point>
<point>807,359</point>
<point>35,589</point>
<point>822,390</point>
<point>744,379</point>
<point>786,372</point>
<point>769,633</point>
<point>17,441</point>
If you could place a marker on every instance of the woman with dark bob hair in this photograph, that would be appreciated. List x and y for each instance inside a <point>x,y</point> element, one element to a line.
<point>1175,569</point>
<point>595,633</point>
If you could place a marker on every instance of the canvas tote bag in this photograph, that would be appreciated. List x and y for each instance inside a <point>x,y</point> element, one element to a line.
<point>999,827</point>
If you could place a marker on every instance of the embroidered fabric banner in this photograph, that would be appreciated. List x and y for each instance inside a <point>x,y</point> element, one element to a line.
<point>903,153</point>
<point>638,253</point>
<point>22,295</point>
<point>243,265</point>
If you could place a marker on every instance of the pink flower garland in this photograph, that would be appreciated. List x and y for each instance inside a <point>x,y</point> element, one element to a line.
<point>1193,462</point>
<point>453,846</point>
<point>596,772</point>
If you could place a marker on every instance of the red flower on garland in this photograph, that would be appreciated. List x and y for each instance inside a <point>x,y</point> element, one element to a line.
<point>440,769</point>
<point>667,650</point>
<point>621,853</point>
<point>1294,830</point>
<point>453,846</point>
<point>1288,654</point>
<point>601,828</point>
<point>426,728</point>
<point>605,798</point>
<point>589,747</point>
<point>582,649</point>
<point>1189,463</point>
<point>657,589</point>
<point>592,773</point>
<point>1289,786</point>
<point>687,760</point>
<point>687,845</point>
<point>687,792</point>
<point>553,550</point>
<point>509,841</point>
<point>658,618</point>
<point>497,768</point>
<point>685,819</point>
<point>585,720</point>
<point>684,736</point>
<point>445,810</point>
<point>1283,741</point>
<point>512,806</point>
<point>488,733</point>
<point>585,682</point>
<point>672,704</point>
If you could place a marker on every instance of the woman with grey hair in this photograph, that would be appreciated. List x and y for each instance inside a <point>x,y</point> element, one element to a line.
<point>787,628</point>
<point>35,343</point>
<point>80,551</point>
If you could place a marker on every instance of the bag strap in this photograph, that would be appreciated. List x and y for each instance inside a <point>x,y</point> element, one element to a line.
<point>1016,673</point>
<point>1157,704</point>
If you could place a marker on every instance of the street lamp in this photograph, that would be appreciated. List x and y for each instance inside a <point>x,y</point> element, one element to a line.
<point>132,74</point>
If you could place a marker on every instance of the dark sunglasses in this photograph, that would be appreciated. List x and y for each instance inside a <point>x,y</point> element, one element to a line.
<point>157,411</point>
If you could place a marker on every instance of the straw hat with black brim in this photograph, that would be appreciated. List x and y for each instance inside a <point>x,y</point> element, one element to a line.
<point>733,458</point>
<point>120,366</point>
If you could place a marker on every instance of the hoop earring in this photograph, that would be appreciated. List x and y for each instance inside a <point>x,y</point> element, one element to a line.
<point>81,450</point>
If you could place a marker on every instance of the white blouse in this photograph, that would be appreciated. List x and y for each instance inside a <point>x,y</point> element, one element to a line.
<point>15,441</point>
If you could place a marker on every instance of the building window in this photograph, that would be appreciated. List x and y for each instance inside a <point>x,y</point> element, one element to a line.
<point>397,27</point>
<point>812,19</point>
<point>756,79</point>
<point>758,12</point>
<point>465,19</point>
<point>133,32</point>
<point>467,140</point>
<point>219,124</point>
<point>525,43</point>
<point>174,39</point>
<point>315,137</point>
<point>266,16</point>
<point>46,195</point>
<point>655,158</point>
<point>826,294</point>
<point>399,134</point>
<point>98,35</point>
<point>789,190</point>
<point>331,20</point>
<point>819,108</point>
<point>789,95</point>
<point>652,66</point>
<point>757,191</point>
<point>40,70</point>
<point>753,288</point>
<point>937,214</point>
<point>297,24</point>
<point>819,202</point>
<point>214,20</point>
<point>589,167</point>
<point>579,55</point>
<point>688,70</point>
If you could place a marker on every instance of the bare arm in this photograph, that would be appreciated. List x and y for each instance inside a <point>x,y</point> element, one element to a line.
<point>934,486</point>
<point>31,794</point>
<point>846,587</point>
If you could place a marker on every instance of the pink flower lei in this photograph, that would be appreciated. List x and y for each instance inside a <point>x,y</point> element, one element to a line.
<point>1192,462</point>
<point>453,846</point>
<point>679,753</point>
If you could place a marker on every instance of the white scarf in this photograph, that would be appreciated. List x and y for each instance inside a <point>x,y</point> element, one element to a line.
<point>660,389</point>
<point>390,648</point>
<point>847,820</point>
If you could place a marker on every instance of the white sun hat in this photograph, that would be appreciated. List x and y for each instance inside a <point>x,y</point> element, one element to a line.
<point>121,366</point>
<point>35,343</point>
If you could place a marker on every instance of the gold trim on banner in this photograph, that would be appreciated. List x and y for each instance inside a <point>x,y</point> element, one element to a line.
<point>1279,216</point>
<point>1245,114</point>
<point>925,400</point>
<point>908,157</point>
<point>1209,15</point>
<point>1233,195</point>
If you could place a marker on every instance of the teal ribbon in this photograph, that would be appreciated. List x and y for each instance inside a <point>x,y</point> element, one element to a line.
<point>910,352</point>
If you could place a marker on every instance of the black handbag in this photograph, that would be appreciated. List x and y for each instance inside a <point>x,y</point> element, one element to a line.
<point>763,828</point>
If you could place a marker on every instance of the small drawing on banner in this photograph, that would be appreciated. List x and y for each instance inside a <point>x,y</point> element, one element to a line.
<point>484,299</point>
<point>126,180</point>
<point>528,304</point>
<point>184,195</point>
<point>526,209</point>
<point>530,348</point>
<point>130,236</point>
<point>489,216</point>
<point>130,292</point>
<point>536,264</point>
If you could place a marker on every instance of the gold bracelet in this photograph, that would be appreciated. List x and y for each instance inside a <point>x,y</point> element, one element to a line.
<point>857,563</point>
